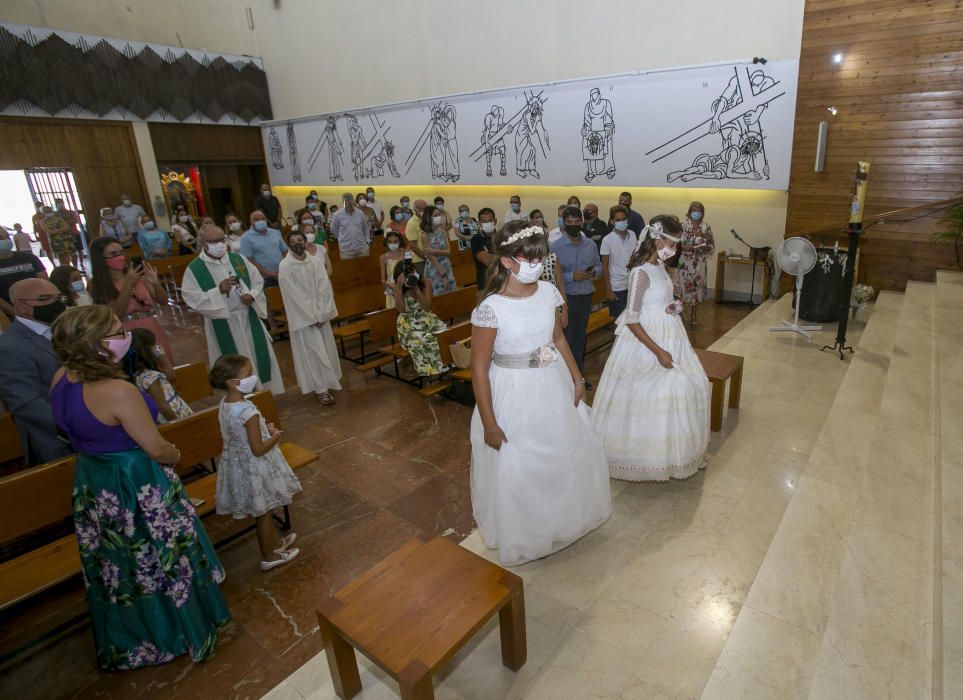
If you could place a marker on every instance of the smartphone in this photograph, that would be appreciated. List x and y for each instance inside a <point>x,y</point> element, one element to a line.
<point>136,261</point>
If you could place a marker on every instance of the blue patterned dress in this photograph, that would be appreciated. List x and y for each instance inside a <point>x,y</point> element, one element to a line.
<point>151,573</point>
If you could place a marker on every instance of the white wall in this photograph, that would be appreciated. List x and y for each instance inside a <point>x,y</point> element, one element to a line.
<point>332,55</point>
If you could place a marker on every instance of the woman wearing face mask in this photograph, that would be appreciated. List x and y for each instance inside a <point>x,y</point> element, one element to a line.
<point>651,408</point>
<point>311,246</point>
<point>318,235</point>
<point>184,231</point>
<point>146,557</point>
<point>417,325</point>
<point>233,232</point>
<point>132,293</point>
<point>398,221</point>
<point>361,201</point>
<point>70,281</point>
<point>113,227</point>
<point>394,241</point>
<point>437,251</point>
<point>465,225</point>
<point>539,479</point>
<point>154,242</point>
<point>551,270</point>
<point>697,246</point>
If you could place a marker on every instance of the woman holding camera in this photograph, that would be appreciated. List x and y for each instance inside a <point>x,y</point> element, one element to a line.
<point>416,323</point>
<point>131,289</point>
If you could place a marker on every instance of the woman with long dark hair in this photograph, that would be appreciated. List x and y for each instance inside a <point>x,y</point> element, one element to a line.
<point>151,573</point>
<point>539,479</point>
<point>651,408</point>
<point>133,292</point>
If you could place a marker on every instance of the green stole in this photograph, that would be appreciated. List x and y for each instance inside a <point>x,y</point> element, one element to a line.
<point>222,329</point>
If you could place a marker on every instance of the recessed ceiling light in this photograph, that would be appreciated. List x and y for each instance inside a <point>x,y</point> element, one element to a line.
<point>837,58</point>
<point>832,110</point>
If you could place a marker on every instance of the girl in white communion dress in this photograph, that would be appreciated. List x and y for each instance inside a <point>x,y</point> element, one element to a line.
<point>651,408</point>
<point>539,478</point>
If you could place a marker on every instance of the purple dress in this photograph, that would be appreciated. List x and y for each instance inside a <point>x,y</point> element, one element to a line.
<point>151,573</point>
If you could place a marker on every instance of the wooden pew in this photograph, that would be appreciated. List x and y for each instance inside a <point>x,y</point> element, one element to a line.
<point>164,265</point>
<point>446,338</point>
<point>191,381</point>
<point>454,305</point>
<point>275,307</point>
<point>351,305</point>
<point>355,273</point>
<point>382,327</point>
<point>599,319</point>
<point>32,500</point>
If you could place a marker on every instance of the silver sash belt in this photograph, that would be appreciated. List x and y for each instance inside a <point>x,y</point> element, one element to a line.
<point>539,357</point>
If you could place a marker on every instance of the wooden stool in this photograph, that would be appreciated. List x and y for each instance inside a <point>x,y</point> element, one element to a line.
<point>414,610</point>
<point>721,367</point>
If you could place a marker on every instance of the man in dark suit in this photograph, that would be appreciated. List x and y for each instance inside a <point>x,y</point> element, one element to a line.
<point>28,367</point>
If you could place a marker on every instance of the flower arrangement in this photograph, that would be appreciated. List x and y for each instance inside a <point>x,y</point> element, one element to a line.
<point>862,293</point>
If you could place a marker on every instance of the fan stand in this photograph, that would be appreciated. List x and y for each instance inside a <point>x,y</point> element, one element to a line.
<point>794,326</point>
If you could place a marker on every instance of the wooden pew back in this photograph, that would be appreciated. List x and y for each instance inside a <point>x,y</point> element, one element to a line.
<point>191,382</point>
<point>355,273</point>
<point>35,498</point>
<point>450,335</point>
<point>164,265</point>
<point>383,325</point>
<point>357,302</point>
<point>454,304</point>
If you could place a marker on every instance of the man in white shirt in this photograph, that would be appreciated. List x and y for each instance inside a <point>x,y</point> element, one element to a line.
<point>351,230</point>
<point>514,212</point>
<point>556,232</point>
<point>228,292</point>
<point>129,214</point>
<point>617,248</point>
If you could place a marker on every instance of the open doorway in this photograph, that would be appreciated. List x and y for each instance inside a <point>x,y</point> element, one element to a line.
<point>20,189</point>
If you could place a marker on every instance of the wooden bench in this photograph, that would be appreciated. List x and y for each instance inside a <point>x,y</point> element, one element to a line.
<point>191,381</point>
<point>600,318</point>
<point>351,306</point>
<point>446,338</point>
<point>275,309</point>
<point>719,367</point>
<point>414,610</point>
<point>32,500</point>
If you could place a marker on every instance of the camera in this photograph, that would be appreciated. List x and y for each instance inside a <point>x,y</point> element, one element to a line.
<point>412,278</point>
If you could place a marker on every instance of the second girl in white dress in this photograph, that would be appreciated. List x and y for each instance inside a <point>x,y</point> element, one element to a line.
<point>539,478</point>
<point>651,407</point>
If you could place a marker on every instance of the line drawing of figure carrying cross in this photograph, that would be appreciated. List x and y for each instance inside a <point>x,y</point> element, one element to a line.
<point>735,115</point>
<point>598,129</point>
<point>529,130</point>
<point>493,141</point>
<point>329,138</point>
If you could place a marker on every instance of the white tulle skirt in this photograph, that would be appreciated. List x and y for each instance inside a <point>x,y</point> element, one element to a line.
<point>653,422</point>
<point>549,484</point>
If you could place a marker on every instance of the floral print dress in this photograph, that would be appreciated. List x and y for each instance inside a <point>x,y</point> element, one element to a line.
<point>443,282</point>
<point>416,333</point>
<point>151,573</point>
<point>693,265</point>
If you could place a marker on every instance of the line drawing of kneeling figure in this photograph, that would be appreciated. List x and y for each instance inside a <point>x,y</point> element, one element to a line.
<point>742,143</point>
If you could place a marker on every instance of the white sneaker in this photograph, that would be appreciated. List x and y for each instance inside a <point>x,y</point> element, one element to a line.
<point>286,556</point>
<point>286,542</point>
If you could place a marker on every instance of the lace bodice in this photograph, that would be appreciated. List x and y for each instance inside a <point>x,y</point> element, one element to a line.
<point>650,289</point>
<point>523,324</point>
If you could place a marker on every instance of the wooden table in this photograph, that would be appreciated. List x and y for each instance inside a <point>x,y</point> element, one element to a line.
<point>720,367</point>
<point>414,610</point>
<point>722,260</point>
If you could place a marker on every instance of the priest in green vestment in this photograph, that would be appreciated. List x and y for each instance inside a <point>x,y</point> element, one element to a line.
<point>228,292</point>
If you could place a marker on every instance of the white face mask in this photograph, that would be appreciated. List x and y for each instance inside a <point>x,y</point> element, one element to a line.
<point>217,250</point>
<point>234,226</point>
<point>528,272</point>
<point>362,202</point>
<point>309,237</point>
<point>488,226</point>
<point>393,246</point>
<point>666,253</point>
<point>437,220</point>
<point>183,218</point>
<point>266,193</point>
<point>246,385</point>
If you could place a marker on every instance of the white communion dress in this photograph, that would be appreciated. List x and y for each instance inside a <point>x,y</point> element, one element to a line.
<point>653,422</point>
<point>549,484</point>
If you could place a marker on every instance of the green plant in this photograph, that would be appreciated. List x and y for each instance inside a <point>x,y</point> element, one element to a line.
<point>953,220</point>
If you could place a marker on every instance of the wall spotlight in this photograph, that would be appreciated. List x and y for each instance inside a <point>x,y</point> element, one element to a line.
<point>837,58</point>
<point>832,110</point>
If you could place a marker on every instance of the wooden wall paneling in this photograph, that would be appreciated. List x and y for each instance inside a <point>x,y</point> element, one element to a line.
<point>206,144</point>
<point>900,103</point>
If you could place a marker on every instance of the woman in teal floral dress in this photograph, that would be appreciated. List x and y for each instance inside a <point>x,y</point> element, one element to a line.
<point>151,574</point>
<point>417,324</point>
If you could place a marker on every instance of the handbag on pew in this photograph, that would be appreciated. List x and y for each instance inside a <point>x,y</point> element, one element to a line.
<point>461,353</point>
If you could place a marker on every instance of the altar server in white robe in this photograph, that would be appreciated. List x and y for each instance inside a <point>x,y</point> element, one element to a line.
<point>229,293</point>
<point>309,306</point>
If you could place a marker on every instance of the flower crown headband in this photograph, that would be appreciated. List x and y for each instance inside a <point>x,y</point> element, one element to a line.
<point>654,231</point>
<point>524,233</point>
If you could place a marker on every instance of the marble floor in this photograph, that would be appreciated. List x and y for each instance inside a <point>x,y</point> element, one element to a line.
<point>799,564</point>
<point>392,465</point>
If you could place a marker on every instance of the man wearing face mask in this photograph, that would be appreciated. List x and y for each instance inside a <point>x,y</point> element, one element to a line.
<point>270,205</point>
<point>15,265</point>
<point>405,208</point>
<point>350,228</point>
<point>228,291</point>
<point>129,214</point>
<point>264,248</point>
<point>514,212</point>
<point>482,245</point>
<point>617,247</point>
<point>579,259</point>
<point>594,228</point>
<point>28,367</point>
<point>413,234</point>
<point>559,230</point>
<point>636,220</point>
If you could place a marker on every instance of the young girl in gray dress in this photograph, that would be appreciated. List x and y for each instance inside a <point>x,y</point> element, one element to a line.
<point>253,478</point>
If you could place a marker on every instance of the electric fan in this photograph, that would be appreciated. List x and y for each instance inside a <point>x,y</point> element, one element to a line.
<point>796,256</point>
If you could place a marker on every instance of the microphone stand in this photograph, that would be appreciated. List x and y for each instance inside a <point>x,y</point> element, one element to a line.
<point>855,230</point>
